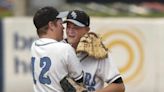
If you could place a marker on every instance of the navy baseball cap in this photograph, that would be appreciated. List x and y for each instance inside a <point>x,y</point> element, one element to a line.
<point>78,17</point>
<point>46,14</point>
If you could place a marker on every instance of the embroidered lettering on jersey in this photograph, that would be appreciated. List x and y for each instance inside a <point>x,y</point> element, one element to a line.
<point>90,82</point>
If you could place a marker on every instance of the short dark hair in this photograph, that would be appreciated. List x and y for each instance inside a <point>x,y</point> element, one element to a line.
<point>43,30</point>
<point>44,15</point>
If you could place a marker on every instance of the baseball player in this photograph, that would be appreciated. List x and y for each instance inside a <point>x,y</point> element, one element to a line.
<point>96,60</point>
<point>52,60</point>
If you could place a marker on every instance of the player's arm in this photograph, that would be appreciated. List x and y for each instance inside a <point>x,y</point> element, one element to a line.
<point>116,86</point>
<point>74,63</point>
<point>73,81</point>
<point>74,67</point>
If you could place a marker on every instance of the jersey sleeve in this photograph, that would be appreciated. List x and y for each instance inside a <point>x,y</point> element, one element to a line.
<point>74,66</point>
<point>107,70</point>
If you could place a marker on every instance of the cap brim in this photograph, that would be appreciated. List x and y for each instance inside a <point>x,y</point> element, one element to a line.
<point>62,14</point>
<point>74,22</point>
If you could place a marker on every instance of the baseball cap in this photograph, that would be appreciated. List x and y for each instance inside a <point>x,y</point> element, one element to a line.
<point>46,14</point>
<point>78,17</point>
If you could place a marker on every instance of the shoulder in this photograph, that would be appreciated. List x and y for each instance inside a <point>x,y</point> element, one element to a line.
<point>64,41</point>
<point>64,46</point>
<point>106,61</point>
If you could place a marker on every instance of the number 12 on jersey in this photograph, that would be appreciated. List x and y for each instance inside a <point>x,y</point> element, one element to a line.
<point>45,64</point>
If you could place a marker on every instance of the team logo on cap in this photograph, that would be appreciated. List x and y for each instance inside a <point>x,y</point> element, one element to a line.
<point>74,15</point>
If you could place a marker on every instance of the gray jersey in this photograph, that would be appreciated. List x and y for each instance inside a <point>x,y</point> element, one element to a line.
<point>98,72</point>
<point>52,61</point>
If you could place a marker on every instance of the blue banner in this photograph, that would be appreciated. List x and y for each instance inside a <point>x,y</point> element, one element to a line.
<point>1,57</point>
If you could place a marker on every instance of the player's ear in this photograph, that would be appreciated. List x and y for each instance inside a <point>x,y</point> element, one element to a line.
<point>50,25</point>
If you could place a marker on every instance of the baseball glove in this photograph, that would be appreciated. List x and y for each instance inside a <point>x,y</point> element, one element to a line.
<point>91,44</point>
<point>69,85</point>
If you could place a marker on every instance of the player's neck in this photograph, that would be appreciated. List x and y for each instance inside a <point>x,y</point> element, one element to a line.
<point>74,45</point>
<point>49,36</point>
